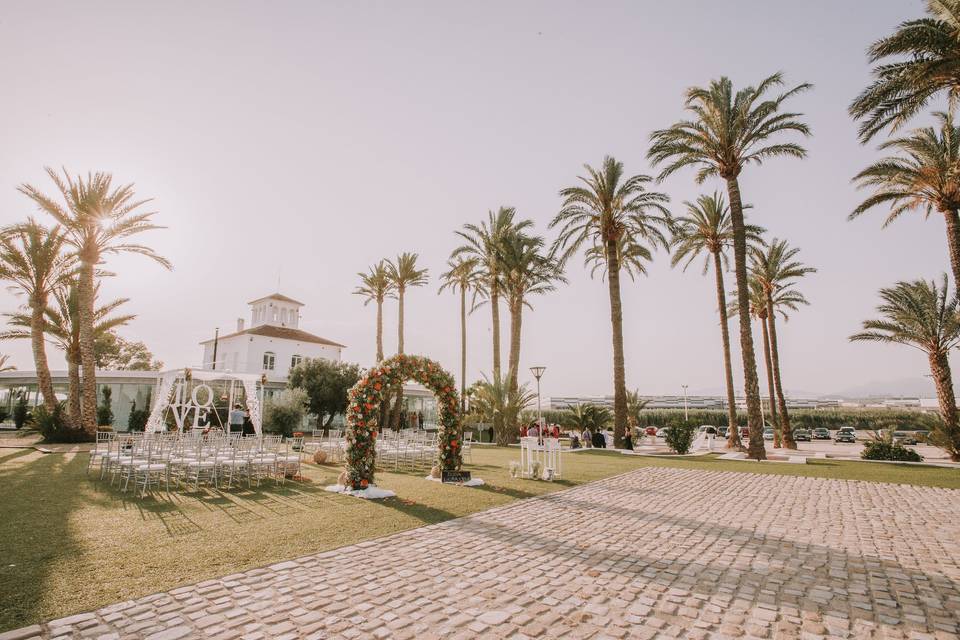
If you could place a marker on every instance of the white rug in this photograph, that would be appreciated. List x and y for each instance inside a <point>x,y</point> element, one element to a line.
<point>370,493</point>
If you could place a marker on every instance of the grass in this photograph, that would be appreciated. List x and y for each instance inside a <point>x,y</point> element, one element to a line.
<point>71,544</point>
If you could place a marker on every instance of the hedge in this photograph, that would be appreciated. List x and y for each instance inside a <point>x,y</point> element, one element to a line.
<point>867,419</point>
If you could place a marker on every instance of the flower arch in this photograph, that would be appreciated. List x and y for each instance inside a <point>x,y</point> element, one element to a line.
<point>363,414</point>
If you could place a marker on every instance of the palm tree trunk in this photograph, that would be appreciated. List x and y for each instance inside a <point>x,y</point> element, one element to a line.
<point>498,425</point>
<point>768,365</point>
<point>953,244</point>
<point>73,394</point>
<point>379,331</point>
<point>950,438</point>
<point>786,433</point>
<point>733,432</point>
<point>495,327</point>
<point>751,385</point>
<point>463,350</point>
<point>88,381</point>
<point>383,418</point>
<point>513,364</point>
<point>44,381</point>
<point>398,390</point>
<point>616,321</point>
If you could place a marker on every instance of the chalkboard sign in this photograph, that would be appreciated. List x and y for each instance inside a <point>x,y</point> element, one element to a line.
<point>451,476</point>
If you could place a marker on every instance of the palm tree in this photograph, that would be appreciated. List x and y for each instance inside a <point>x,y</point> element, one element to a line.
<point>635,404</point>
<point>376,286</point>
<point>98,220</point>
<point>920,60</point>
<point>526,271</point>
<point>729,131</point>
<point>4,358</point>
<point>32,259</point>
<point>591,417</point>
<point>463,277</point>
<point>924,316</point>
<point>483,242</point>
<point>494,401</point>
<point>62,324</point>
<point>774,268</point>
<point>403,274</point>
<point>758,310</point>
<point>922,177</point>
<point>619,215</point>
<point>708,229</point>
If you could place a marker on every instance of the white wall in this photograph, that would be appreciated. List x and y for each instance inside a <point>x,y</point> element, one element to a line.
<point>244,354</point>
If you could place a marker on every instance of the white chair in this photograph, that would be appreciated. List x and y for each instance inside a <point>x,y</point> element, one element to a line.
<point>100,449</point>
<point>466,450</point>
<point>153,467</point>
<point>288,462</point>
<point>552,456</point>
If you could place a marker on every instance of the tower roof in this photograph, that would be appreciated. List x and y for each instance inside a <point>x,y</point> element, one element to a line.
<point>278,297</point>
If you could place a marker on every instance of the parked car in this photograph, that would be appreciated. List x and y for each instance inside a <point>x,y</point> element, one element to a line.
<point>821,433</point>
<point>650,431</point>
<point>921,435</point>
<point>801,435</point>
<point>904,437</point>
<point>662,432</point>
<point>845,434</point>
<point>768,434</point>
<point>722,432</point>
<point>744,432</point>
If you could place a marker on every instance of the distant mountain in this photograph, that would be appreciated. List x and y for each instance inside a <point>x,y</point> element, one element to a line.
<point>914,387</point>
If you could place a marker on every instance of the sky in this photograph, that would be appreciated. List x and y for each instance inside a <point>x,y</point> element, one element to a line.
<point>291,145</point>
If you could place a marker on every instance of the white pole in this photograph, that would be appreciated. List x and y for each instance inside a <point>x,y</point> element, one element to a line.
<point>686,413</point>
<point>539,415</point>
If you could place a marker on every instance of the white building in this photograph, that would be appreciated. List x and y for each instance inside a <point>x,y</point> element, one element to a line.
<point>273,343</point>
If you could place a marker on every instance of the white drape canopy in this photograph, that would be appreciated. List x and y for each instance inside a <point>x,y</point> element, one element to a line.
<point>169,382</point>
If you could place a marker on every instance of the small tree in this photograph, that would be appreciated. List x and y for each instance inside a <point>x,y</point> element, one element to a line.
<point>283,413</point>
<point>21,411</point>
<point>119,354</point>
<point>137,420</point>
<point>679,437</point>
<point>326,384</point>
<point>105,408</point>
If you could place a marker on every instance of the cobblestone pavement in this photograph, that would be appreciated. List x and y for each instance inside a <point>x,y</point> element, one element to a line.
<point>657,553</point>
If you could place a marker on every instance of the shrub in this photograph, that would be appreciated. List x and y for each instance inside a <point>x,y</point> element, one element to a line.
<point>679,437</point>
<point>4,414</point>
<point>52,425</point>
<point>137,420</point>
<point>21,412</point>
<point>884,450</point>
<point>283,413</point>
<point>105,408</point>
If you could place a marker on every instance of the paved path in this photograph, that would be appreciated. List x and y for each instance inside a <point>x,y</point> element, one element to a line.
<point>657,553</point>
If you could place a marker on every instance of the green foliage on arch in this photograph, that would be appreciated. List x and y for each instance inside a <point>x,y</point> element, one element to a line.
<point>363,414</point>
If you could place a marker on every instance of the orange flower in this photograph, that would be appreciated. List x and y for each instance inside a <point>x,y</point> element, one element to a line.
<point>364,483</point>
<point>377,386</point>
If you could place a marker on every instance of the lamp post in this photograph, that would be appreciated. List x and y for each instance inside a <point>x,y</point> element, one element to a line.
<point>686,413</point>
<point>538,373</point>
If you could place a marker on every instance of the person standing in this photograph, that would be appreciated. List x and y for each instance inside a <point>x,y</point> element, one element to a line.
<point>237,417</point>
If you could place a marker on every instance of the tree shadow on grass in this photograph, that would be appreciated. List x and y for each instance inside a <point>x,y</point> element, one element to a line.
<point>37,498</point>
<point>421,512</point>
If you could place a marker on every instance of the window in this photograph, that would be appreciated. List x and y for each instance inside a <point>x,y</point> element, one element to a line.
<point>269,360</point>
<point>295,360</point>
<point>283,317</point>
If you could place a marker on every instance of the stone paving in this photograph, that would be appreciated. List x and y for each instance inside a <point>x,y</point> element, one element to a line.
<point>656,553</point>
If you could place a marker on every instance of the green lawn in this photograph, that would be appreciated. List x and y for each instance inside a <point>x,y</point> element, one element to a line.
<point>70,544</point>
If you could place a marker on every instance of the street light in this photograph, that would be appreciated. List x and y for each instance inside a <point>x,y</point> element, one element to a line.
<point>686,413</point>
<point>538,373</point>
